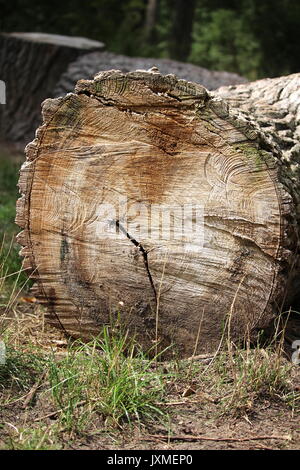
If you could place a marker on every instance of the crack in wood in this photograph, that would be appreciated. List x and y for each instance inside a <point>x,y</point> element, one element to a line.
<point>144,254</point>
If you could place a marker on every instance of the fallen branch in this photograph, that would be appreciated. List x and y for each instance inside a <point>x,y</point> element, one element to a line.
<point>201,357</point>
<point>205,438</point>
<point>53,413</point>
<point>173,403</point>
<point>30,395</point>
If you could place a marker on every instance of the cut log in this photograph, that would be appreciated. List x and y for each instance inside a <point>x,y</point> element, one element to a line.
<point>147,201</point>
<point>31,65</point>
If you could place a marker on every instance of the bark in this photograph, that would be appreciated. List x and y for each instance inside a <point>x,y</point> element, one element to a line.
<point>274,104</point>
<point>31,65</point>
<point>146,199</point>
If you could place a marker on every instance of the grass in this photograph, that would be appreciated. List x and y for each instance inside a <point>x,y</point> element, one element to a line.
<point>107,376</point>
<point>10,261</point>
<point>20,371</point>
<point>257,375</point>
<point>12,278</point>
<point>108,381</point>
<point>40,438</point>
<point>108,384</point>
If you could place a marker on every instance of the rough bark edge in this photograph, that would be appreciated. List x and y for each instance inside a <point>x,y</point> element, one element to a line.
<point>189,94</point>
<point>273,106</point>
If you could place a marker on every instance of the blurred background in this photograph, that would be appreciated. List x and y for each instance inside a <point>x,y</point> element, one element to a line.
<point>253,38</point>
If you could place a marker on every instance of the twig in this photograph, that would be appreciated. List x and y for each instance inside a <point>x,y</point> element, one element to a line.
<point>223,334</point>
<point>157,307</point>
<point>53,413</point>
<point>30,395</point>
<point>171,403</point>
<point>196,345</point>
<point>200,357</point>
<point>205,438</point>
<point>229,342</point>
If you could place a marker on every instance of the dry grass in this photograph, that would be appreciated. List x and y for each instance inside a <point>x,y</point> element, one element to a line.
<point>84,387</point>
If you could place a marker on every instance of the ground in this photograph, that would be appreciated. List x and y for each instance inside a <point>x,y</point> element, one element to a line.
<point>201,419</point>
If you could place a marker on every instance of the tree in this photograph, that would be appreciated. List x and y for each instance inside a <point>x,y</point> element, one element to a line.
<point>180,39</point>
<point>276,27</point>
<point>150,21</point>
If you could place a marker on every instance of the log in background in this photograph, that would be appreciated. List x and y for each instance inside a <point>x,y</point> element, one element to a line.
<point>36,66</point>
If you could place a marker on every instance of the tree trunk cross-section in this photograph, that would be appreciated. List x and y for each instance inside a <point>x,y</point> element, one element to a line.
<point>147,199</point>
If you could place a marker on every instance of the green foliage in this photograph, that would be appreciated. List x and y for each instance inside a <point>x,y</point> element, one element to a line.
<point>251,37</point>
<point>10,261</point>
<point>8,194</point>
<point>20,370</point>
<point>223,41</point>
<point>39,438</point>
<point>275,26</point>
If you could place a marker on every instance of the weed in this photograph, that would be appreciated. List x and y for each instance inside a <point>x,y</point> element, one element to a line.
<point>110,376</point>
<point>40,438</point>
<point>256,374</point>
<point>20,371</point>
<point>10,260</point>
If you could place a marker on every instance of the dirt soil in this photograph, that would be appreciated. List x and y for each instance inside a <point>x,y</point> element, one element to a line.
<point>195,421</point>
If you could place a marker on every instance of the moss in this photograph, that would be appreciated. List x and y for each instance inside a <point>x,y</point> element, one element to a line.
<point>69,113</point>
<point>64,248</point>
<point>259,157</point>
<point>98,87</point>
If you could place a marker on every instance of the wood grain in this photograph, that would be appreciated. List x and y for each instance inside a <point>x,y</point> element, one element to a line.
<point>196,220</point>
